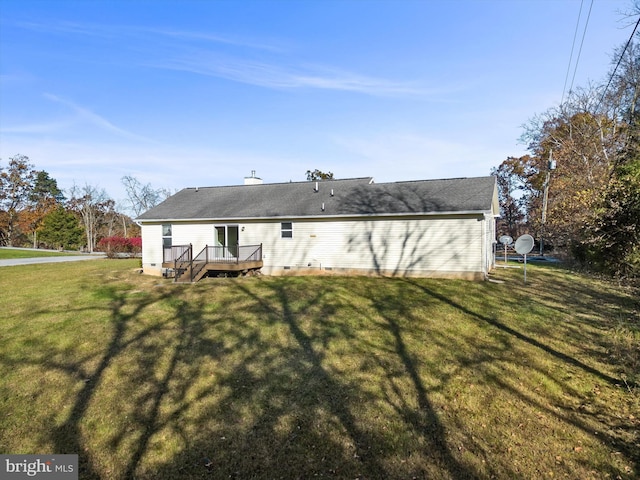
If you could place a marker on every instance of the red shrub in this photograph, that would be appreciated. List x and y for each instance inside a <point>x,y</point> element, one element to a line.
<point>117,246</point>
<point>136,243</point>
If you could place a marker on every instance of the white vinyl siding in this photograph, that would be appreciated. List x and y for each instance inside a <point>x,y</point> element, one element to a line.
<point>418,246</point>
<point>197,234</point>
<point>151,248</point>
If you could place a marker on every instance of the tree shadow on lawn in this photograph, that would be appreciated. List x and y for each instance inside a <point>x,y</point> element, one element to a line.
<point>279,405</point>
<point>603,426</point>
<point>251,381</point>
<point>68,437</point>
<point>272,408</point>
<point>284,410</point>
<point>396,313</point>
<point>592,305</point>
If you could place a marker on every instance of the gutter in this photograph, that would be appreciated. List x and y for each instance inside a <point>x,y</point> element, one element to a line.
<point>318,217</point>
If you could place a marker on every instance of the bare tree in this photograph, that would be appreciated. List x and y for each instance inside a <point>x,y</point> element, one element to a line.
<point>91,204</point>
<point>511,191</point>
<point>16,186</point>
<point>142,197</point>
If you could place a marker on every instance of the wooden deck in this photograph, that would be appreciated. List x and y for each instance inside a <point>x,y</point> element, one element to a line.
<point>225,266</point>
<point>223,259</point>
<point>197,271</point>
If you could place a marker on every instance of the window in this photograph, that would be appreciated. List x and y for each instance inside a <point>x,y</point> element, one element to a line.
<point>286,229</point>
<point>166,235</point>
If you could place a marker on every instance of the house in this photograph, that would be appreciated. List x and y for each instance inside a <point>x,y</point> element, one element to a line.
<point>429,228</point>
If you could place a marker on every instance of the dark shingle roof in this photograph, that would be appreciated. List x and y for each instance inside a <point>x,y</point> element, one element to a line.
<point>358,196</point>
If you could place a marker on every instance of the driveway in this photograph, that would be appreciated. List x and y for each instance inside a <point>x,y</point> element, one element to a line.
<point>12,262</point>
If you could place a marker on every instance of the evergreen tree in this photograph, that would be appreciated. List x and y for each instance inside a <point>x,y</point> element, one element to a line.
<point>44,198</point>
<point>61,228</point>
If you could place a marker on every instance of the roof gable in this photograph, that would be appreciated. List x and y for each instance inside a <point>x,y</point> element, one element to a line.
<point>349,197</point>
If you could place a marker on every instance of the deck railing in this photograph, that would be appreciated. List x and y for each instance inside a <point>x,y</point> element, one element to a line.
<point>184,261</point>
<point>229,254</point>
<point>172,253</point>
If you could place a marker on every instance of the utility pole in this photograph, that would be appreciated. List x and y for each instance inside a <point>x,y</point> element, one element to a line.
<point>551,165</point>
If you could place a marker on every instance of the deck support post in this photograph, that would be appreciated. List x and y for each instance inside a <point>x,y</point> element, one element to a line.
<point>191,262</point>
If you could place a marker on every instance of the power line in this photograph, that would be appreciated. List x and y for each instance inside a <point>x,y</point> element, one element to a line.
<point>617,64</point>
<point>573,46</point>
<point>584,32</point>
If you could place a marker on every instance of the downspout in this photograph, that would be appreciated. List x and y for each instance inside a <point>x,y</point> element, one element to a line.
<point>485,271</point>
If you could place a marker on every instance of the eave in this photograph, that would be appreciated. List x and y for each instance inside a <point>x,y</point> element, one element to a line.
<point>320,217</point>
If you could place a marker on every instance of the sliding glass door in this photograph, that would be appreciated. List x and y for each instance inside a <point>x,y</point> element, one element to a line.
<point>226,241</point>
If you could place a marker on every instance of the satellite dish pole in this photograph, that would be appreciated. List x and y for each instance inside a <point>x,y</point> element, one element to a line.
<point>505,240</point>
<point>551,165</point>
<point>524,244</point>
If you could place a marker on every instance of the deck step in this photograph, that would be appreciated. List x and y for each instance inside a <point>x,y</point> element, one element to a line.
<point>201,269</point>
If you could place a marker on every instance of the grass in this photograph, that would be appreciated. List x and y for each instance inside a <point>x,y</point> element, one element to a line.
<point>10,253</point>
<point>303,377</point>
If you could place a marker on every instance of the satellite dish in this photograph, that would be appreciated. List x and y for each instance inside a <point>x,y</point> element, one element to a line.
<point>524,244</point>
<point>506,240</point>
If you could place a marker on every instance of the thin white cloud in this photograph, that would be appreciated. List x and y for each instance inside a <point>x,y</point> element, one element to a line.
<point>195,52</point>
<point>270,75</point>
<point>215,38</point>
<point>93,118</point>
<point>38,128</point>
<point>121,32</point>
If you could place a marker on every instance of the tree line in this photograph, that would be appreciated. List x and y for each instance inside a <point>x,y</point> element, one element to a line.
<point>35,212</point>
<point>578,189</point>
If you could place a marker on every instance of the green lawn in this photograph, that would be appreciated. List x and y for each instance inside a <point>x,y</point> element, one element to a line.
<point>8,253</point>
<point>305,377</point>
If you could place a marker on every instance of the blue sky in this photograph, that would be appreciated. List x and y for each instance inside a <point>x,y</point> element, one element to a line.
<point>199,93</point>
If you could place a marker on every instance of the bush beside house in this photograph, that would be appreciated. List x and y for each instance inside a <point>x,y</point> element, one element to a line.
<point>121,247</point>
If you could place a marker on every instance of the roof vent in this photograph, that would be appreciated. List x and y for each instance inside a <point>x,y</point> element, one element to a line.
<point>315,189</point>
